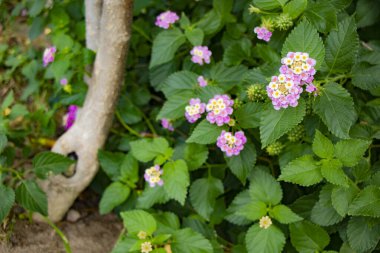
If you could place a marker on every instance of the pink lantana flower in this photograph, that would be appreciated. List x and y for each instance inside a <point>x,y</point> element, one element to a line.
<point>219,109</point>
<point>70,116</point>
<point>231,144</point>
<point>262,33</point>
<point>63,81</point>
<point>48,56</point>
<point>167,125</point>
<point>200,55</point>
<point>194,110</point>
<point>165,19</point>
<point>152,175</point>
<point>202,81</point>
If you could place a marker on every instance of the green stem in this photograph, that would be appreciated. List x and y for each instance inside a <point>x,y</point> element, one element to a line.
<point>148,122</point>
<point>60,234</point>
<point>131,130</point>
<point>13,171</point>
<point>119,133</point>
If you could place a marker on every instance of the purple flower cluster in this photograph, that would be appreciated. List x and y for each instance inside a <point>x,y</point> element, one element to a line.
<point>63,81</point>
<point>165,19</point>
<point>231,144</point>
<point>194,110</point>
<point>70,116</point>
<point>219,109</point>
<point>153,176</point>
<point>262,33</point>
<point>202,81</point>
<point>167,125</point>
<point>200,55</point>
<point>48,56</point>
<point>297,70</point>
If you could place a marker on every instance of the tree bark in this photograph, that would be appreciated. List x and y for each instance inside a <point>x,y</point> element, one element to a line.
<point>93,16</point>
<point>89,132</point>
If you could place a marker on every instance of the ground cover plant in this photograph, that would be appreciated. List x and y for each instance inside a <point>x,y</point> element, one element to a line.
<point>242,126</point>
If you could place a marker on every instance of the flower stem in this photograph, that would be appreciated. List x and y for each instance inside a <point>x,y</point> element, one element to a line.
<point>131,130</point>
<point>60,234</point>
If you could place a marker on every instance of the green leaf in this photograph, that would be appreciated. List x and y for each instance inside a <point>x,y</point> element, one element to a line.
<point>322,146</point>
<point>333,172</point>
<point>367,12</point>
<point>165,45</point>
<point>110,163</point>
<point>265,188</point>
<point>304,38</point>
<point>114,195</point>
<point>36,8</point>
<point>188,241</point>
<point>146,150</point>
<point>269,4</point>
<point>31,197</point>
<point>366,203</point>
<point>342,46</point>
<point>237,52</point>
<point>179,82</point>
<point>211,22</point>
<point>336,109</point>
<point>129,169</point>
<point>242,164</point>
<point>284,214</point>
<point>323,212</point>
<point>342,198</point>
<point>46,162</point>
<point>238,205</point>
<point>349,152</point>
<point>62,41</point>
<point>195,36</point>
<point>341,4</point>
<point>363,233</point>
<point>227,77</point>
<point>176,180</point>
<point>167,222</point>
<point>295,8</point>
<point>3,141</point>
<point>303,171</point>
<point>151,196</point>
<point>138,220</point>
<point>248,115</point>
<point>203,194</point>
<point>194,154</point>
<point>205,133</point>
<point>366,76</point>
<point>8,100</point>
<point>174,107</point>
<point>253,211</point>
<point>276,123</point>
<point>321,15</point>
<point>270,240</point>
<point>307,237</point>
<point>7,196</point>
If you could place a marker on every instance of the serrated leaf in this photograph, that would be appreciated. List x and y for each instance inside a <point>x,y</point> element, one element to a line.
<point>151,196</point>
<point>304,38</point>
<point>270,240</point>
<point>307,237</point>
<point>211,22</point>
<point>342,46</point>
<point>240,201</point>
<point>194,154</point>
<point>322,146</point>
<point>242,164</point>
<point>110,163</point>
<point>195,36</point>
<point>205,133</point>
<point>265,188</point>
<point>176,180</point>
<point>349,152</point>
<point>295,8</point>
<point>363,233</point>
<point>323,212</point>
<point>138,220</point>
<point>146,150</point>
<point>336,109</point>
<point>174,107</point>
<point>366,76</point>
<point>31,197</point>
<point>179,82</point>
<point>322,15</point>
<point>227,77</point>
<point>284,214</point>
<point>248,115</point>
<point>367,12</point>
<point>7,196</point>
<point>341,4</point>
<point>253,211</point>
<point>47,161</point>
<point>3,141</point>
<point>203,194</point>
<point>129,169</point>
<point>269,4</point>
<point>342,197</point>
<point>366,203</point>
<point>237,52</point>
<point>303,171</point>
<point>276,123</point>
<point>188,241</point>
<point>165,45</point>
<point>114,195</point>
<point>333,172</point>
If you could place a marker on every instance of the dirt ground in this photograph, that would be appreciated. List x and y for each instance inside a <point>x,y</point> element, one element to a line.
<point>91,233</point>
